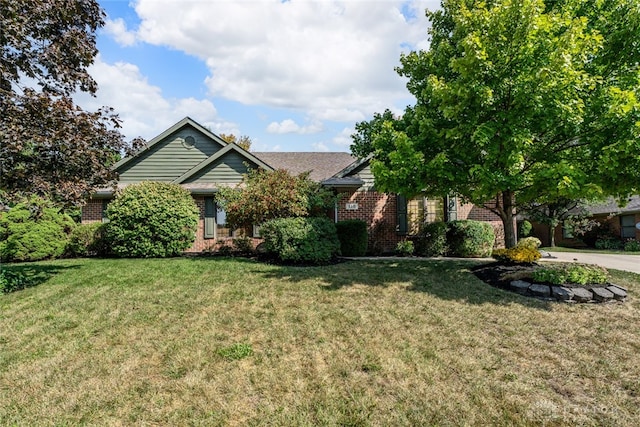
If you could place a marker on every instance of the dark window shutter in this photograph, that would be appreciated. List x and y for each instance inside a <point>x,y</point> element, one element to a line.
<point>401,212</point>
<point>209,218</point>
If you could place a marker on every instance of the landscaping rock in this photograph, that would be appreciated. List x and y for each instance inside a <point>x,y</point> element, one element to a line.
<point>601,294</point>
<point>562,293</point>
<point>540,290</point>
<point>618,292</point>
<point>582,294</point>
<point>520,286</point>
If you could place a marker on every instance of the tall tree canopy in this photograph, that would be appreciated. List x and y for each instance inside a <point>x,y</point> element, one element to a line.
<point>516,101</point>
<point>50,146</point>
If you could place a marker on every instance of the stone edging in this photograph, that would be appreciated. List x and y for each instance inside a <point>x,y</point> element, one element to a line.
<point>604,293</point>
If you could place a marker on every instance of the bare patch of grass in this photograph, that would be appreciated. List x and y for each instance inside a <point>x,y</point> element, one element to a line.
<point>358,343</point>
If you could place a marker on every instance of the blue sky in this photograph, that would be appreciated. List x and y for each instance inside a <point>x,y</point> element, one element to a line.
<point>293,75</point>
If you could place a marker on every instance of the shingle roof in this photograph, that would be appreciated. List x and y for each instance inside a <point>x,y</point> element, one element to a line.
<point>611,206</point>
<point>321,165</point>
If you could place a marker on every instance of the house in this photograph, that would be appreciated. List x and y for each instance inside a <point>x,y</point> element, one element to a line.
<point>192,156</point>
<point>622,222</point>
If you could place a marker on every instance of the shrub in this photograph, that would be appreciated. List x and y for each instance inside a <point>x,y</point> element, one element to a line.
<point>572,273</point>
<point>517,255</point>
<point>33,230</point>
<point>87,240</point>
<point>524,228</point>
<point>353,237</point>
<point>301,240</point>
<point>12,281</point>
<point>243,245</point>
<point>608,243</point>
<point>470,239</point>
<point>151,219</point>
<point>432,239</point>
<point>529,243</point>
<point>632,245</point>
<point>404,248</point>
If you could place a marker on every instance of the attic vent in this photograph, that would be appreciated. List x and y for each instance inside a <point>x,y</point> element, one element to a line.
<point>189,142</point>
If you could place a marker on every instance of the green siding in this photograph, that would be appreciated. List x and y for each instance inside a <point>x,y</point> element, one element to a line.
<point>365,174</point>
<point>228,169</point>
<point>169,159</point>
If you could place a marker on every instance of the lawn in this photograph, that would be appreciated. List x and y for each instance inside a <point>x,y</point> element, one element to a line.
<point>212,341</point>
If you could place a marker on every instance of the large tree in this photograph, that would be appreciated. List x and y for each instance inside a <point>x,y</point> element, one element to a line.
<point>516,101</point>
<point>50,146</point>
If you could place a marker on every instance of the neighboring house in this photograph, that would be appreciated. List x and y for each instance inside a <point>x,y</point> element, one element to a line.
<point>190,155</point>
<point>622,222</point>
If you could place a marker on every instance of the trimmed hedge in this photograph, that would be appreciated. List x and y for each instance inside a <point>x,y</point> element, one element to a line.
<point>87,240</point>
<point>301,240</point>
<point>470,239</point>
<point>151,219</point>
<point>34,230</point>
<point>432,240</point>
<point>353,237</point>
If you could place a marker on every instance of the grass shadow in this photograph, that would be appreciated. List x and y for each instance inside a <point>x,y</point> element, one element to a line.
<point>28,275</point>
<point>444,278</point>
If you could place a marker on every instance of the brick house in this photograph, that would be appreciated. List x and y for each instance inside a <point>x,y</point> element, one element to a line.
<point>622,222</point>
<point>192,156</point>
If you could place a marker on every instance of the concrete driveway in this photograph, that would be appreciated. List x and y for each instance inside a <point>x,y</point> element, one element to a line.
<point>615,261</point>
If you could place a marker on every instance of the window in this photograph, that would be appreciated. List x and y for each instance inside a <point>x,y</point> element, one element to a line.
<point>105,203</point>
<point>422,210</point>
<point>628,226</point>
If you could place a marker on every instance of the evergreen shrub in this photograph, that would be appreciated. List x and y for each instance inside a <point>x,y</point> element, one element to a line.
<point>353,237</point>
<point>431,241</point>
<point>34,230</point>
<point>470,239</point>
<point>151,219</point>
<point>301,240</point>
<point>87,240</point>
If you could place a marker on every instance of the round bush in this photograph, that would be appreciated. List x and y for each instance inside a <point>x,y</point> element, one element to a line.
<point>529,243</point>
<point>87,240</point>
<point>353,237</point>
<point>470,239</point>
<point>432,240</point>
<point>301,240</point>
<point>524,228</point>
<point>151,219</point>
<point>34,230</point>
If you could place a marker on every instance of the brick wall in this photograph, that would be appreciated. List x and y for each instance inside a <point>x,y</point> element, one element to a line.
<point>378,210</point>
<point>92,211</point>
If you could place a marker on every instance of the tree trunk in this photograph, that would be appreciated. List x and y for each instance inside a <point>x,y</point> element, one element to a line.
<point>552,236</point>
<point>507,219</point>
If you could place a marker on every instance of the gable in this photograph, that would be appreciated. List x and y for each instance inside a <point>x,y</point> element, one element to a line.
<point>169,155</point>
<point>228,169</point>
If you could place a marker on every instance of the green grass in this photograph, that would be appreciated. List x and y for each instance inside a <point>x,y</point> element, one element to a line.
<point>589,250</point>
<point>196,341</point>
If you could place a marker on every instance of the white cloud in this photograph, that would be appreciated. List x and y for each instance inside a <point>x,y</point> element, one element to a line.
<point>141,106</point>
<point>344,137</point>
<point>290,126</point>
<point>117,28</point>
<point>333,60</point>
<point>319,146</point>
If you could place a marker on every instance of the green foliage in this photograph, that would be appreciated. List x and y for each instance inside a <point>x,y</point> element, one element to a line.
<point>151,219</point>
<point>609,243</point>
<point>470,239</point>
<point>404,248</point>
<point>579,274</point>
<point>524,228</point>
<point>632,245</point>
<point>236,351</point>
<point>516,103</point>
<point>529,243</point>
<point>517,255</point>
<point>353,237</point>
<point>266,195</point>
<point>243,245</point>
<point>431,241</point>
<point>33,230</point>
<point>87,240</point>
<point>11,281</point>
<point>301,240</point>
